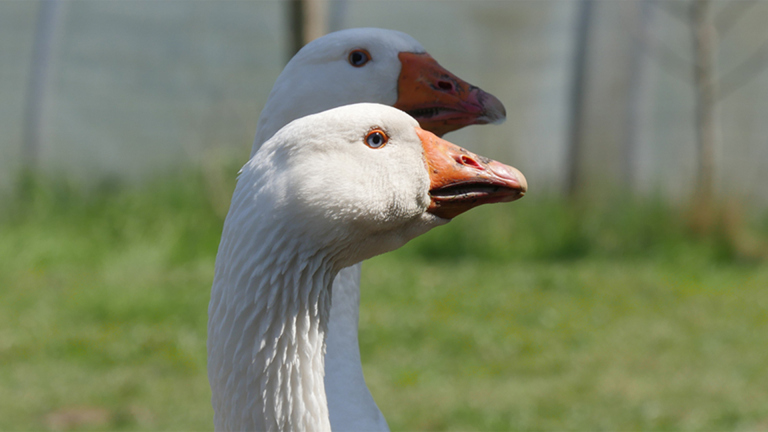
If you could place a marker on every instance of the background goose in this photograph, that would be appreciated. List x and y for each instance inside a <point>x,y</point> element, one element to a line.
<point>326,192</point>
<point>367,65</point>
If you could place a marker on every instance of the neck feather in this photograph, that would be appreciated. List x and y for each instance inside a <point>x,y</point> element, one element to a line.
<point>268,318</point>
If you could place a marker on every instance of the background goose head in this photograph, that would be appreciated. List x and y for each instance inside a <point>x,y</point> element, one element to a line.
<point>379,66</point>
<point>367,174</point>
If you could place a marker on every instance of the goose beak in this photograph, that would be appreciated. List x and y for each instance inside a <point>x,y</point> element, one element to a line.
<point>461,180</point>
<point>440,101</point>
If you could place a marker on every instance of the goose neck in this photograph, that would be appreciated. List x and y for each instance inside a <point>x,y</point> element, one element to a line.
<point>266,347</point>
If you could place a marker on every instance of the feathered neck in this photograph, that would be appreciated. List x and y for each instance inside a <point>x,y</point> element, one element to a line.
<point>268,319</point>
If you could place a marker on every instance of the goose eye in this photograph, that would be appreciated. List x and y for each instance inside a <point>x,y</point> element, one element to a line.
<point>359,57</point>
<point>376,139</point>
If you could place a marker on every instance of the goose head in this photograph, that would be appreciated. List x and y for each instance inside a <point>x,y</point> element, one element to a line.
<point>366,178</point>
<point>379,66</point>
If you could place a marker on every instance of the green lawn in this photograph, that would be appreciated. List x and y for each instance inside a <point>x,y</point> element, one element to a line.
<point>530,316</point>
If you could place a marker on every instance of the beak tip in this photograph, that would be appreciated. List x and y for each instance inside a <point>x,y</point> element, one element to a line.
<point>515,178</point>
<point>493,110</point>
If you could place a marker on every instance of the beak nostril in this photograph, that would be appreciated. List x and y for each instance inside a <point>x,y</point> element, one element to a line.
<point>468,161</point>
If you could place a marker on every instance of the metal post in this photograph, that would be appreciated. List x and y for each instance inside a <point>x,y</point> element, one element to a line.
<point>578,93</point>
<point>47,18</point>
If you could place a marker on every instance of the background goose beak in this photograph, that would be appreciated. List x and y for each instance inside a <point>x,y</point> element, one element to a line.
<point>461,180</point>
<point>440,101</point>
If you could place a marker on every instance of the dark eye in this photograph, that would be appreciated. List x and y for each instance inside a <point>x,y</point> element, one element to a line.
<point>376,138</point>
<point>359,57</point>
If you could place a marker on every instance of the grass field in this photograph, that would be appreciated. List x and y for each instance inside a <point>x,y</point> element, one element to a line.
<point>531,316</point>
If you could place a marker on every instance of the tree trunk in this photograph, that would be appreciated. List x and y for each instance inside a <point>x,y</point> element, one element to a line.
<point>295,27</point>
<point>307,20</point>
<point>703,36</point>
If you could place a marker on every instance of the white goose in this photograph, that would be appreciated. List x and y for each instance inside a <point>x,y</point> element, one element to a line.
<point>367,65</point>
<point>325,192</point>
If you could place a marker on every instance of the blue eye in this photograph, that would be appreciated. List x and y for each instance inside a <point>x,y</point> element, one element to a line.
<point>359,57</point>
<point>376,139</point>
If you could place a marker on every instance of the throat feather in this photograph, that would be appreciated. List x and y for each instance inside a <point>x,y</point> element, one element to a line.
<point>266,354</point>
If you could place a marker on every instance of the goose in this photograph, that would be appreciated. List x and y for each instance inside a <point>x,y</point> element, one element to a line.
<point>367,65</point>
<point>327,191</point>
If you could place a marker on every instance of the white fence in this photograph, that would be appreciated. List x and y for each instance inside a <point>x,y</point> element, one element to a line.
<point>136,87</point>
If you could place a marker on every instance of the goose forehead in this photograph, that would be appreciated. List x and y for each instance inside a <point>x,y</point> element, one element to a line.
<point>358,119</point>
<point>310,137</point>
<point>375,40</point>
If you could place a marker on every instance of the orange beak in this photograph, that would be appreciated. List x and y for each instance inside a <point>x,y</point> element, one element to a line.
<point>461,180</point>
<point>439,100</point>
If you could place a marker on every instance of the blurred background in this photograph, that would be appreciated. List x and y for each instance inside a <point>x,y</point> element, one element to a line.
<point>626,291</point>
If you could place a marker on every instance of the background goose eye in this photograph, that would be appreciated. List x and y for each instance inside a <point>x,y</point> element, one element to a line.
<point>376,138</point>
<point>359,57</point>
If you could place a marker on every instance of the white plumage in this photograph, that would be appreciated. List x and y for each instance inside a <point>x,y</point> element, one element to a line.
<point>314,199</point>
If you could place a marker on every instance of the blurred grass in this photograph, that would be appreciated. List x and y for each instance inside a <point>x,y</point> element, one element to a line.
<point>619,315</point>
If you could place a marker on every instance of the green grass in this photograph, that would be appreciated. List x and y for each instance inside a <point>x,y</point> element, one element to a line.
<point>532,316</point>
